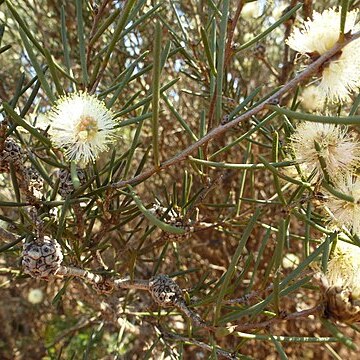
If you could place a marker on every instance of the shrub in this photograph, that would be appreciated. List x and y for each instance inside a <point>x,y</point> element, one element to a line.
<point>179,179</point>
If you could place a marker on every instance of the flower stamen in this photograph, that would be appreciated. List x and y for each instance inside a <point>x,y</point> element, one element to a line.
<point>87,128</point>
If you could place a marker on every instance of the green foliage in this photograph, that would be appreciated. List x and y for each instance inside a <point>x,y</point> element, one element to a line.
<point>200,183</point>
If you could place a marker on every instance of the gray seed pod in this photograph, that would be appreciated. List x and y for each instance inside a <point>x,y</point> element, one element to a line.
<point>41,258</point>
<point>165,291</point>
<point>66,187</point>
<point>34,180</point>
<point>10,154</point>
<point>173,218</point>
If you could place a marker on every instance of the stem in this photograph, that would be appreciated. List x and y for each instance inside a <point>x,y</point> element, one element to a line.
<point>76,272</point>
<point>97,279</point>
<point>131,284</point>
<point>222,128</point>
<point>292,316</point>
<point>220,352</point>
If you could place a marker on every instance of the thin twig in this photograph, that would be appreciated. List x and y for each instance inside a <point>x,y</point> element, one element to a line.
<point>222,128</point>
<point>196,319</point>
<point>246,298</point>
<point>308,9</point>
<point>204,192</point>
<point>228,55</point>
<point>293,316</point>
<point>132,284</point>
<point>286,64</point>
<point>219,352</point>
<point>76,272</point>
<point>124,283</point>
<point>80,224</point>
<point>106,285</point>
<point>98,15</point>
<point>232,27</point>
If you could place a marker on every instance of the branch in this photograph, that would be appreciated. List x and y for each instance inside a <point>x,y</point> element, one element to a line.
<point>163,286</point>
<point>220,352</point>
<point>247,297</point>
<point>102,283</point>
<point>222,128</point>
<point>227,57</point>
<point>98,16</point>
<point>292,316</point>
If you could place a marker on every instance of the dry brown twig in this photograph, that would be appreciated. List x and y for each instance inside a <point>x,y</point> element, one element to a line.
<point>42,258</point>
<point>175,337</point>
<point>293,316</point>
<point>222,128</point>
<point>228,55</point>
<point>98,15</point>
<point>171,295</point>
<point>246,298</point>
<point>287,63</point>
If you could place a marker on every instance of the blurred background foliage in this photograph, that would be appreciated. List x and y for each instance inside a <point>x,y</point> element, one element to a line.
<point>68,43</point>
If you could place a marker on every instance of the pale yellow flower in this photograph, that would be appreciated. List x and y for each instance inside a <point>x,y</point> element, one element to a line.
<point>311,98</point>
<point>250,10</point>
<point>340,151</point>
<point>341,284</point>
<point>82,126</point>
<point>343,269</point>
<point>341,75</point>
<point>346,213</point>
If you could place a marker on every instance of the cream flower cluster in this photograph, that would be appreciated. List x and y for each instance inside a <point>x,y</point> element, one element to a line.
<point>345,213</point>
<point>343,269</point>
<point>338,149</point>
<point>329,148</point>
<point>82,126</point>
<point>311,99</point>
<point>341,75</point>
<point>319,147</point>
<point>341,284</point>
